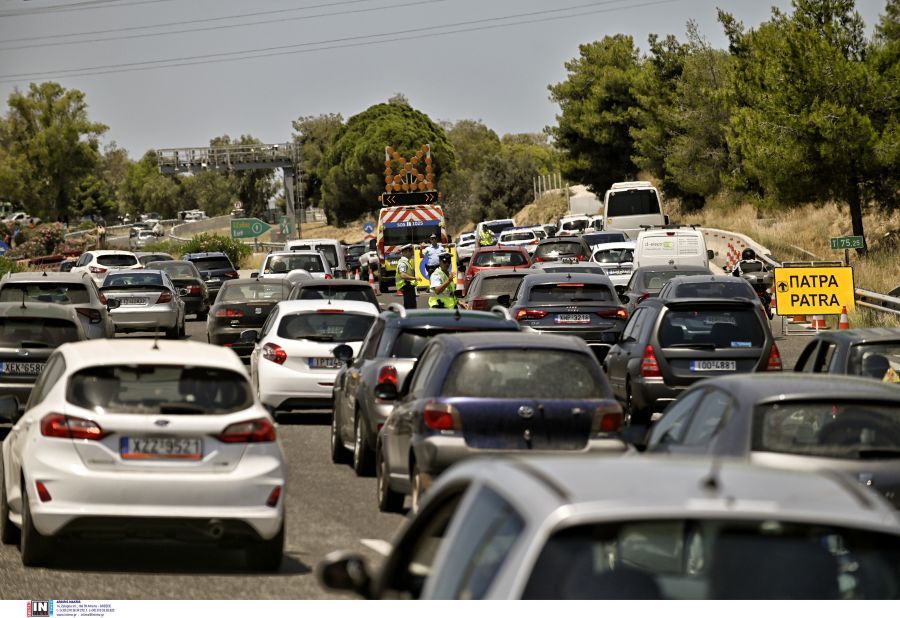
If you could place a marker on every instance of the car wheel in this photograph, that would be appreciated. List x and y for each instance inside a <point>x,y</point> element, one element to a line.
<point>362,454</point>
<point>635,416</point>
<point>172,333</point>
<point>35,547</point>
<point>203,315</point>
<point>267,555</point>
<point>389,501</point>
<point>417,483</point>
<point>339,454</point>
<point>9,533</point>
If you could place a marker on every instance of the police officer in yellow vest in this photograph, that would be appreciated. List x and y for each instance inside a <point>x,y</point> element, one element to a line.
<point>406,277</point>
<point>487,238</point>
<point>443,286</point>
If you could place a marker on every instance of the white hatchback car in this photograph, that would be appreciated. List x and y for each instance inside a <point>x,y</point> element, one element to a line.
<point>617,259</point>
<point>292,364</point>
<point>100,263</point>
<point>142,439</point>
<point>279,264</point>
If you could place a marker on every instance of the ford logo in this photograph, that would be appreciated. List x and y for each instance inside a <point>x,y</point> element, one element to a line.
<point>526,412</point>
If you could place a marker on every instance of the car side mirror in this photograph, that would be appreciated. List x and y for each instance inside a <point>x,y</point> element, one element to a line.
<point>504,300</point>
<point>113,303</point>
<point>666,219</point>
<point>249,336</point>
<point>9,409</point>
<point>710,254</point>
<point>635,435</point>
<point>345,571</point>
<point>621,289</point>
<point>343,353</point>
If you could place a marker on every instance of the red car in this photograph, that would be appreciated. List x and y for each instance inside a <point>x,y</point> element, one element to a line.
<point>497,257</point>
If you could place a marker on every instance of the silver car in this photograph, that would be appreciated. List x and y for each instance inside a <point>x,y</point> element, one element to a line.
<point>144,300</point>
<point>635,528</point>
<point>75,290</point>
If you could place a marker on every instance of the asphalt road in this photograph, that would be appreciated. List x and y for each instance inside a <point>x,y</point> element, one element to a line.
<point>328,508</point>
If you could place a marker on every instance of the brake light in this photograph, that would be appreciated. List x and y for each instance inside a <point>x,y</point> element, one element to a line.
<point>57,425</point>
<point>614,314</point>
<point>92,315</point>
<point>42,491</point>
<point>388,375</point>
<point>232,274</point>
<point>102,297</point>
<point>530,314</point>
<point>274,496</point>
<point>440,416</point>
<point>774,362</point>
<point>275,353</point>
<point>330,311</point>
<point>97,270</point>
<point>327,276</point>
<point>229,313</point>
<point>581,258</point>
<point>478,304</point>
<point>165,297</point>
<point>258,430</point>
<point>649,364</point>
<point>607,418</point>
<point>193,289</point>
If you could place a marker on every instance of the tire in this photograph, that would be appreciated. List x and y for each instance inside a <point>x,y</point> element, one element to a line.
<point>172,333</point>
<point>9,532</point>
<point>35,547</point>
<point>267,555</point>
<point>389,501</point>
<point>202,315</point>
<point>363,460</point>
<point>339,454</point>
<point>416,490</point>
<point>635,416</point>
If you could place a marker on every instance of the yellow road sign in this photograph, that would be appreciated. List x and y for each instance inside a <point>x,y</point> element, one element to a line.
<point>422,280</point>
<point>814,291</point>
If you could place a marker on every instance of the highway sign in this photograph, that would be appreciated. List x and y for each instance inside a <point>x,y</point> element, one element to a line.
<point>248,228</point>
<point>814,290</point>
<point>848,242</point>
<point>415,198</point>
<point>368,227</point>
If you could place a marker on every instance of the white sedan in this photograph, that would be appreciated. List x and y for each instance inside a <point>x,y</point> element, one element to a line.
<point>292,364</point>
<point>134,438</point>
<point>617,259</point>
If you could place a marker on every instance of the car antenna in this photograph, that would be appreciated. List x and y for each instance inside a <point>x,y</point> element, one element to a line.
<point>23,299</point>
<point>155,338</point>
<point>712,483</point>
<point>45,273</point>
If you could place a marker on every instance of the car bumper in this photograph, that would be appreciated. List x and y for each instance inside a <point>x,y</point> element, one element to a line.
<point>653,393</point>
<point>194,304</point>
<point>143,319</point>
<point>20,390</point>
<point>231,338</point>
<point>285,389</point>
<point>591,335</point>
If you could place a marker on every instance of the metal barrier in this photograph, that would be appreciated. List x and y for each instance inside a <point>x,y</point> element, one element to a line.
<point>864,298</point>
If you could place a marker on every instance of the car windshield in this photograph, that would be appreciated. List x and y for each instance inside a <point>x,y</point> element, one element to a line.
<point>716,559</point>
<point>325,325</point>
<point>176,270</point>
<point>213,263</point>
<point>50,292</point>
<point>360,293</point>
<point>614,256</point>
<point>634,202</point>
<point>714,289</point>
<point>403,234</point>
<point>155,389</point>
<point>497,286</point>
<point>602,238</point>
<point>854,430</point>
<point>570,292</point>
<point>36,332</point>
<point>523,374</point>
<point>117,260</point>
<point>513,236</point>
<point>249,291</point>
<point>559,248</point>
<point>500,258</point>
<point>876,360</point>
<point>133,279</point>
<point>723,328</point>
<point>410,342</point>
<point>278,264</point>
<point>356,250</point>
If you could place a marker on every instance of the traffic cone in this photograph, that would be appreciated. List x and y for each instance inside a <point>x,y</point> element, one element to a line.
<point>798,319</point>
<point>356,274</point>
<point>818,323</point>
<point>461,281</point>
<point>372,283</point>
<point>844,324</point>
<point>773,304</point>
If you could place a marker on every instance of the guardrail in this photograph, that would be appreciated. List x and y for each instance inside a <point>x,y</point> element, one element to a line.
<point>195,227</point>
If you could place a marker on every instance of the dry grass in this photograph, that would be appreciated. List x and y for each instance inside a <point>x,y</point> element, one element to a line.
<point>548,209</point>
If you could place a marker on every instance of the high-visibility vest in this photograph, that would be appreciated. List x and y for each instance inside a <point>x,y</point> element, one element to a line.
<point>487,238</point>
<point>446,300</point>
<point>401,282</point>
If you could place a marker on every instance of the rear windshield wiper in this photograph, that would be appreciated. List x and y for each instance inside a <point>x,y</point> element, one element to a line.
<point>318,337</point>
<point>693,346</point>
<point>180,408</point>
<point>31,343</point>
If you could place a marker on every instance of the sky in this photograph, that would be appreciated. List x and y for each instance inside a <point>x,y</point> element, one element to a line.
<point>176,73</point>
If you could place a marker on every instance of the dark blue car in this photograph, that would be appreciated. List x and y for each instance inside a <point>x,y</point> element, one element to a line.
<point>488,393</point>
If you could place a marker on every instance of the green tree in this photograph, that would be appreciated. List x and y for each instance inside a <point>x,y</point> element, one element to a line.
<point>596,103</point>
<point>506,183</point>
<point>474,143</point>
<point>254,187</point>
<point>314,135</point>
<point>112,169</point>
<point>213,193</point>
<point>146,190</point>
<point>93,198</point>
<point>352,170</point>
<point>49,145</point>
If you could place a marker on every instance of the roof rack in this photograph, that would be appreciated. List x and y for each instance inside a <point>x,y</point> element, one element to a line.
<point>670,226</point>
<point>398,309</point>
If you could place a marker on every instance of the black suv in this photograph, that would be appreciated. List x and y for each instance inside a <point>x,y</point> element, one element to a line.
<point>668,345</point>
<point>553,249</point>
<point>215,268</point>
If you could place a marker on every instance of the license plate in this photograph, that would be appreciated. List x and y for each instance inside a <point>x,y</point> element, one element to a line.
<point>20,369</point>
<point>324,363</point>
<point>713,365</point>
<point>618,271</point>
<point>132,301</point>
<point>161,448</point>
<point>573,318</point>
<point>214,279</point>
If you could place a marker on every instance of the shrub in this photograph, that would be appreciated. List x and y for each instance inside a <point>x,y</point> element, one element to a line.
<point>172,247</point>
<point>9,266</point>
<point>236,251</point>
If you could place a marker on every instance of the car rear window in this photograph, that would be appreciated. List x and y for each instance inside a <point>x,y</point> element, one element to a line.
<point>559,248</point>
<point>718,289</point>
<point>631,203</point>
<point>876,360</point>
<point>603,238</point>
<point>361,293</point>
<point>36,332</point>
<point>285,263</point>
<point>156,257</point>
<point>657,279</point>
<point>497,286</point>
<point>855,430</point>
<point>524,374</point>
<point>570,292</point>
<point>589,270</point>
<point>614,256</point>
<point>154,389</point>
<point>59,293</point>
<point>253,291</point>
<point>500,258</point>
<point>175,271</point>
<point>517,236</point>
<point>133,279</point>
<point>723,328</point>
<point>213,263</point>
<point>117,260</point>
<point>325,326</point>
<point>410,342</point>
<point>577,224</point>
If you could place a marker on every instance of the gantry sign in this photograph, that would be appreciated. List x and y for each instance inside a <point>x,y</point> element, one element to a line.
<point>239,157</point>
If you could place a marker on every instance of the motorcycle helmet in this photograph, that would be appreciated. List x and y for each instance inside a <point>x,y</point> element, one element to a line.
<point>748,254</point>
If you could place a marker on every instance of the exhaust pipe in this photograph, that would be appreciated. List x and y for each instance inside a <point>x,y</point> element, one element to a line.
<point>216,529</point>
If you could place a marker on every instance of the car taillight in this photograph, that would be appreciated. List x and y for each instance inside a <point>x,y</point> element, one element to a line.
<point>388,375</point>
<point>274,353</point>
<point>327,276</point>
<point>530,314</point>
<point>274,496</point>
<point>193,289</point>
<point>774,362</point>
<point>478,304</point>
<point>102,297</point>
<point>440,416</point>
<point>581,258</point>
<point>258,430</point>
<point>92,315</point>
<point>614,314</point>
<point>97,270</point>
<point>607,418</point>
<point>57,425</point>
<point>643,297</point>
<point>232,274</point>
<point>42,491</point>
<point>649,364</point>
<point>229,313</point>
<point>165,297</point>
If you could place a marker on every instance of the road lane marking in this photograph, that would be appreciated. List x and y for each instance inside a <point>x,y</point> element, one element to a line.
<point>382,548</point>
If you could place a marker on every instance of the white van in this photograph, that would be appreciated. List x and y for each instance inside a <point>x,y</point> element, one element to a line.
<point>329,247</point>
<point>671,246</point>
<point>629,205</point>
